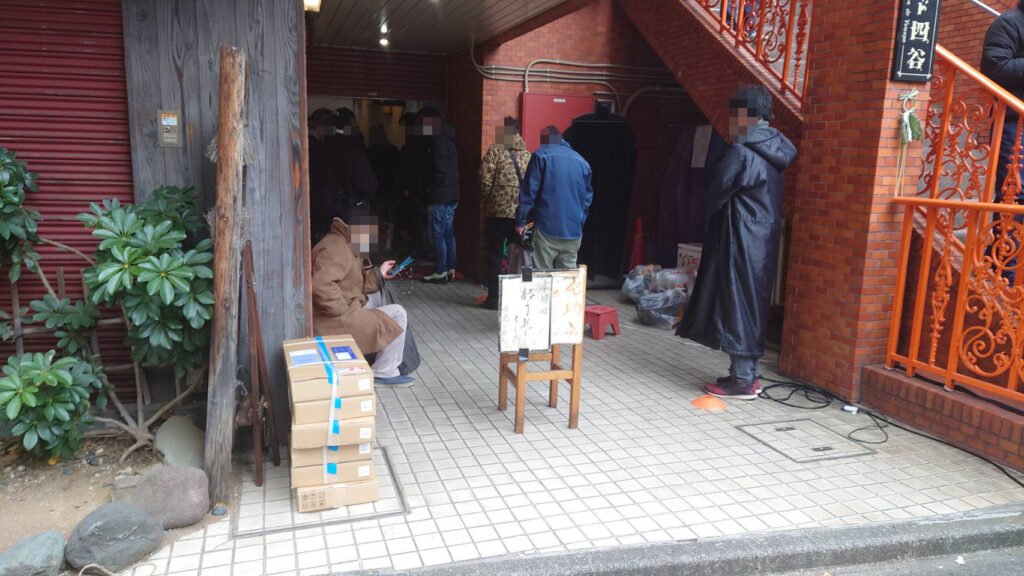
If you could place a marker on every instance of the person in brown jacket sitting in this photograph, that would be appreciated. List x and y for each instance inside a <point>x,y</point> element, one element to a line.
<point>348,300</point>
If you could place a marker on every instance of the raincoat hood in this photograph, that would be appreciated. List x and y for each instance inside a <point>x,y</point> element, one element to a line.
<point>518,144</point>
<point>773,146</point>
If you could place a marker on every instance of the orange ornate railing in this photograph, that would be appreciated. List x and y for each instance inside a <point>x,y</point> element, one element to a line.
<point>774,32</point>
<point>959,307</point>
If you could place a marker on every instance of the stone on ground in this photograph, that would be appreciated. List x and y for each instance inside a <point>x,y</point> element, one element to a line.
<point>177,496</point>
<point>114,536</point>
<point>39,555</point>
<point>180,442</point>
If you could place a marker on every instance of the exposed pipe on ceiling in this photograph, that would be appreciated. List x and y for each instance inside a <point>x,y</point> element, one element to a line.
<point>529,67</point>
<point>555,76</point>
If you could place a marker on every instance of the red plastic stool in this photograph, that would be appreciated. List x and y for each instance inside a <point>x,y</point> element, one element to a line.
<point>599,318</point>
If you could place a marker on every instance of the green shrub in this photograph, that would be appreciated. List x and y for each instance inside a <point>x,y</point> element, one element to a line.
<point>47,400</point>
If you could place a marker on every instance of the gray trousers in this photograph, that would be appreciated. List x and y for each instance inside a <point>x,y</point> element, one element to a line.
<point>390,357</point>
<point>554,253</point>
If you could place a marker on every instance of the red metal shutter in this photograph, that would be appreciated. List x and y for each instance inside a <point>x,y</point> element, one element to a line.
<point>351,72</point>
<point>64,109</point>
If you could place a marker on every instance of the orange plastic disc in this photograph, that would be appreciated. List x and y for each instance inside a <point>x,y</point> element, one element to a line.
<point>709,403</point>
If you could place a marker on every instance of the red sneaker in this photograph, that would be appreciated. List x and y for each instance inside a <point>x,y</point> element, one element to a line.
<point>735,390</point>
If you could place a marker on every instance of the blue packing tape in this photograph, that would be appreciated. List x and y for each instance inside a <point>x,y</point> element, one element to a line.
<point>332,469</point>
<point>335,427</point>
<point>337,403</point>
<point>325,356</point>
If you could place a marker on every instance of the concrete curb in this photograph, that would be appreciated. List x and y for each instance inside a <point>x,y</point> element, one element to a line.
<point>769,552</point>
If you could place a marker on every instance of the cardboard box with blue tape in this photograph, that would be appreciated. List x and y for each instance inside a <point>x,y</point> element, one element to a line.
<point>325,368</point>
<point>330,385</point>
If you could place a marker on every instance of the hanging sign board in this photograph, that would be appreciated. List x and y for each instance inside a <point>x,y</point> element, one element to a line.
<point>915,41</point>
<point>548,309</point>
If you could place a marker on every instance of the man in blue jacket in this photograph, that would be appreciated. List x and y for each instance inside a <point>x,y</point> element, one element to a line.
<point>555,195</point>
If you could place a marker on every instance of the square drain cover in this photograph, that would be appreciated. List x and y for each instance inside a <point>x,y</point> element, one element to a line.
<point>805,440</point>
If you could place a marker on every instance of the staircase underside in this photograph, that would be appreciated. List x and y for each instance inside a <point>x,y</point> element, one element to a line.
<point>704,63</point>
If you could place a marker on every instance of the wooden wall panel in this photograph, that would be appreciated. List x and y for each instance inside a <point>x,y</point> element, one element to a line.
<point>172,49</point>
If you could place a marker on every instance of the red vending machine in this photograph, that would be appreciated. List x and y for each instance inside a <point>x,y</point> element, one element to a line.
<point>540,110</point>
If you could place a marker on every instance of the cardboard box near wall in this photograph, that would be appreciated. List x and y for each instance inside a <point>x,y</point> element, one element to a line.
<point>353,379</point>
<point>318,498</point>
<point>330,454</point>
<point>337,433</point>
<point>344,409</point>
<point>307,358</point>
<point>358,471</point>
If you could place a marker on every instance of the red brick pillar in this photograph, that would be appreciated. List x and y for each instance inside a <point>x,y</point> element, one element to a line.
<point>843,253</point>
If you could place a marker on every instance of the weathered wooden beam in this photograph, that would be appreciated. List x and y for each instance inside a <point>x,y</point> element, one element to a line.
<point>227,250</point>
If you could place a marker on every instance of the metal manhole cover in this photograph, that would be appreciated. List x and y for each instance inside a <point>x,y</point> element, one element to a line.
<point>805,440</point>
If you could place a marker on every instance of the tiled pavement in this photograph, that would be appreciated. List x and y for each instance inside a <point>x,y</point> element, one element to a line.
<point>644,465</point>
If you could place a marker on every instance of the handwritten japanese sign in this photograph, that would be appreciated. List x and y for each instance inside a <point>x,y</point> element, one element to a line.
<point>915,40</point>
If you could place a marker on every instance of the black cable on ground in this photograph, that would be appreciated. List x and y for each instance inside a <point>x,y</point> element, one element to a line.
<point>816,398</point>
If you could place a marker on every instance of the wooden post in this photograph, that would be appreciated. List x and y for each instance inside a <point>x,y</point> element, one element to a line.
<point>521,380</point>
<point>575,384</point>
<point>556,355</point>
<point>226,259</point>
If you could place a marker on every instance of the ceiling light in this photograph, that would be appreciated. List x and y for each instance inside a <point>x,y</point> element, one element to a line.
<point>312,5</point>
<point>384,42</point>
<point>384,28</point>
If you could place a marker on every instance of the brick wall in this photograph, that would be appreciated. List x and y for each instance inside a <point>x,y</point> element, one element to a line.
<point>845,240</point>
<point>593,31</point>
<point>972,424</point>
<point>962,26</point>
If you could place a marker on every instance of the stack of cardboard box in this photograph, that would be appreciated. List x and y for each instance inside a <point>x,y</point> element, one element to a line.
<point>333,423</point>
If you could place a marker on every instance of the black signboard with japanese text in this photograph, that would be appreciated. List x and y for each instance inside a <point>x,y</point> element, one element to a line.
<point>915,41</point>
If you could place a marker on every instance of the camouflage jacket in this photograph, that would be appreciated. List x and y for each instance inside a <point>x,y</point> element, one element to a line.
<point>499,184</point>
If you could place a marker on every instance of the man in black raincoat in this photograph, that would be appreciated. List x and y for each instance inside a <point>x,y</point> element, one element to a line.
<point>728,310</point>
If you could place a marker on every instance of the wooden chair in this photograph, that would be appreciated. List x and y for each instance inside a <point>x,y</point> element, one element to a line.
<point>521,377</point>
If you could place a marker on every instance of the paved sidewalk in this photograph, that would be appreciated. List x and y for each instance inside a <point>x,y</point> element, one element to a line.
<point>643,467</point>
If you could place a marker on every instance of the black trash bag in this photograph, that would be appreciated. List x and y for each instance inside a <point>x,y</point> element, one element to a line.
<point>659,309</point>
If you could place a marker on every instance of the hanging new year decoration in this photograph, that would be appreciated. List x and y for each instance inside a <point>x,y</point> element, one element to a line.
<point>910,130</point>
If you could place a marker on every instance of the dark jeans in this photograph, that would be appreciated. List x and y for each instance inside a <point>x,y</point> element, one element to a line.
<point>500,231</point>
<point>745,368</point>
<point>442,228</point>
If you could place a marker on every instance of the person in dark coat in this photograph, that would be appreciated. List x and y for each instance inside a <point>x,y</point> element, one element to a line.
<point>1002,60</point>
<point>384,158</point>
<point>442,191</point>
<point>353,171</point>
<point>322,185</point>
<point>728,309</point>
<point>413,170</point>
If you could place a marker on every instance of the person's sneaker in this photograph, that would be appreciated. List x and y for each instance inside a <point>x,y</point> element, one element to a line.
<point>727,379</point>
<point>394,381</point>
<point>436,278</point>
<point>451,276</point>
<point>734,390</point>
